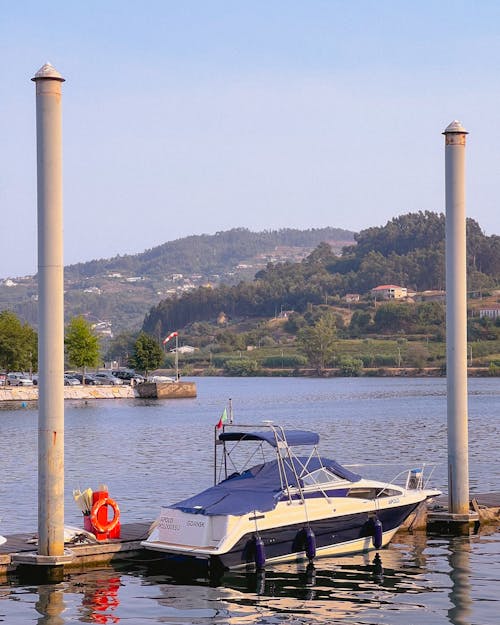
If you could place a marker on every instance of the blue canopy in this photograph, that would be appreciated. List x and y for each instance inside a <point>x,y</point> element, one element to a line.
<point>293,437</point>
<point>258,488</point>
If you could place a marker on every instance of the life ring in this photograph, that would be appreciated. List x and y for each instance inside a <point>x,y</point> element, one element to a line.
<point>108,527</point>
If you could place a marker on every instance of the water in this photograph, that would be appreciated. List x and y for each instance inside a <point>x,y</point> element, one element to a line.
<point>154,452</point>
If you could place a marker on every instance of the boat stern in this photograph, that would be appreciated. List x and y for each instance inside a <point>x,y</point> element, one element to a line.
<point>187,533</point>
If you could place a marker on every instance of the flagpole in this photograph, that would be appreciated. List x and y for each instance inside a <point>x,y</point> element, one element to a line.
<point>176,358</point>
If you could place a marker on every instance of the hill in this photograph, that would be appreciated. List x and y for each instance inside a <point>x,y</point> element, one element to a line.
<point>117,293</point>
<point>408,251</point>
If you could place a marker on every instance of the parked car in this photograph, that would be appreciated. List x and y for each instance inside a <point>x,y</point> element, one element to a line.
<point>70,380</point>
<point>108,378</point>
<point>128,376</point>
<point>89,379</point>
<point>3,378</point>
<point>18,379</point>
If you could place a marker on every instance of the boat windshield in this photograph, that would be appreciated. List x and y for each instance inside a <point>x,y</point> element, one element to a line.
<point>321,476</point>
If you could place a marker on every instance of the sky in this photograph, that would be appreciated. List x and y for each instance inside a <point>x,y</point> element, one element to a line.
<point>198,116</point>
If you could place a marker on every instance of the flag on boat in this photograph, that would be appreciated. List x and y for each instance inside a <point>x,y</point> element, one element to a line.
<point>222,420</point>
<point>170,336</point>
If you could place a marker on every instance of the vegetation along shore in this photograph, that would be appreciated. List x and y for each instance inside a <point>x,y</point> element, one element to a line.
<point>290,303</point>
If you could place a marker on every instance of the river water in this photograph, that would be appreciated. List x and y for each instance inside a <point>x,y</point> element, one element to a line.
<point>151,453</point>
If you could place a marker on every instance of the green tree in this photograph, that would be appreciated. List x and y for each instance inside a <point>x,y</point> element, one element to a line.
<point>82,345</point>
<point>18,343</point>
<point>317,342</point>
<point>147,354</point>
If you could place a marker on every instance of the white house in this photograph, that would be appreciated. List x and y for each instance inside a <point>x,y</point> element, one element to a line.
<point>493,312</point>
<point>389,291</point>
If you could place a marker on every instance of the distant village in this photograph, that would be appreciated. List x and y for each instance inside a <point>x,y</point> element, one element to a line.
<point>175,285</point>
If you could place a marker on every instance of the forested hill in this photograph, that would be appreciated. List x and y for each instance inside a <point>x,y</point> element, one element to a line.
<point>207,254</point>
<point>409,251</point>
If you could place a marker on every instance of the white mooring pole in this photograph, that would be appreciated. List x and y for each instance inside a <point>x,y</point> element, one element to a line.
<point>456,320</point>
<point>50,313</point>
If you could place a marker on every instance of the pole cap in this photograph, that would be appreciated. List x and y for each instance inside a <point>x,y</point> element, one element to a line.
<point>48,71</point>
<point>455,128</point>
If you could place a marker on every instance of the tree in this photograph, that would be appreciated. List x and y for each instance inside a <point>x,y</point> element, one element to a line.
<point>147,353</point>
<point>82,345</point>
<point>317,342</point>
<point>18,343</point>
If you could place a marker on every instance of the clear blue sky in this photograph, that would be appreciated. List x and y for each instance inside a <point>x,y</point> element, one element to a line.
<point>193,117</point>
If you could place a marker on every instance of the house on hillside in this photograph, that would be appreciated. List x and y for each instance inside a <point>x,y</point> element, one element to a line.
<point>493,312</point>
<point>389,291</point>
<point>185,349</point>
<point>351,298</point>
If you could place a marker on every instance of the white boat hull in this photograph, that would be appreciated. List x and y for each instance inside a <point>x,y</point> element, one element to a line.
<point>342,525</point>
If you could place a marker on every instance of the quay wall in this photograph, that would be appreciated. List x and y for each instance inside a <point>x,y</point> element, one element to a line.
<point>30,393</point>
<point>146,390</point>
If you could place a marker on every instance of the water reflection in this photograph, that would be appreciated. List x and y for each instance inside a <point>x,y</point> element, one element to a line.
<point>460,575</point>
<point>100,599</point>
<point>50,606</point>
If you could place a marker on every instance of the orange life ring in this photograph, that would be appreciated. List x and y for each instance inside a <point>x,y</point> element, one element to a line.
<point>108,527</point>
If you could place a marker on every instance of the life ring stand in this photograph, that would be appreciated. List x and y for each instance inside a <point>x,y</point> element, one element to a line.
<point>110,526</point>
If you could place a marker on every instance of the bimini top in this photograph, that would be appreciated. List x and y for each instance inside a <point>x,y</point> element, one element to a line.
<point>293,437</point>
<point>260,488</point>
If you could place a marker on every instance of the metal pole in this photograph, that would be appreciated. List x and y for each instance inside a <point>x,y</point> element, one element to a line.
<point>456,320</point>
<point>176,358</point>
<point>50,313</point>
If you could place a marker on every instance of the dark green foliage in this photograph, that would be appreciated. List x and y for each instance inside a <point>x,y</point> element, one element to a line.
<point>147,355</point>
<point>81,344</point>
<point>287,362</point>
<point>360,323</point>
<point>241,367</point>
<point>317,342</point>
<point>350,367</point>
<point>408,250</point>
<point>206,253</point>
<point>393,317</point>
<point>18,344</point>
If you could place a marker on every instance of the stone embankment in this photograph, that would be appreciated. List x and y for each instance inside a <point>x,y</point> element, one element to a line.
<point>147,390</point>
<point>30,393</point>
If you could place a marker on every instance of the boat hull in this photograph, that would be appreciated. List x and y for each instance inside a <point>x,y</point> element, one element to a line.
<point>335,535</point>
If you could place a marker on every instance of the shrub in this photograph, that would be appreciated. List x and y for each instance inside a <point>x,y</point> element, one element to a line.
<point>351,367</point>
<point>241,367</point>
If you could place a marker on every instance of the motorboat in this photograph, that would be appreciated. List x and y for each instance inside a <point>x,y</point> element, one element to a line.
<point>287,506</point>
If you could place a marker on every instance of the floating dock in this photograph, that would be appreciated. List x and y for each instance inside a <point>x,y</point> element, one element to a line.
<point>15,554</point>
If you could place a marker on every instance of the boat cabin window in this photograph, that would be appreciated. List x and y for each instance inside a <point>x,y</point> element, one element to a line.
<point>320,476</point>
<point>372,493</point>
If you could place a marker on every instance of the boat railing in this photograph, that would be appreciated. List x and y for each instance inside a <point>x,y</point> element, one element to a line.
<point>413,478</point>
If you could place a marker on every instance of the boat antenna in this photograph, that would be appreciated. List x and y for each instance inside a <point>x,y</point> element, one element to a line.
<point>230,410</point>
